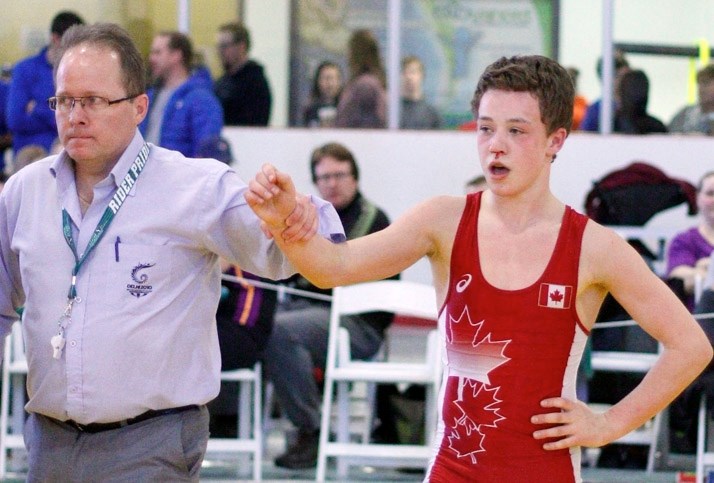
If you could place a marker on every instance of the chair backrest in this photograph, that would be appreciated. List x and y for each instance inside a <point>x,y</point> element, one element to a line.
<point>397,296</point>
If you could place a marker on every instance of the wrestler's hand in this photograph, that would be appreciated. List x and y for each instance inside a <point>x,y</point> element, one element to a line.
<point>302,223</point>
<point>574,425</point>
<point>271,195</point>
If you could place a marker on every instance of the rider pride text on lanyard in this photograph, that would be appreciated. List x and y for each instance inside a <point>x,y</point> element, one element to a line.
<point>120,195</point>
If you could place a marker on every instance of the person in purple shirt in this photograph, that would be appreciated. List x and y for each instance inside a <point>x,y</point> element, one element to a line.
<point>689,251</point>
<point>113,248</point>
<point>29,118</point>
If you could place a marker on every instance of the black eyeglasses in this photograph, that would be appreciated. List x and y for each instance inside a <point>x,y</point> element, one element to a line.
<point>324,178</point>
<point>88,103</point>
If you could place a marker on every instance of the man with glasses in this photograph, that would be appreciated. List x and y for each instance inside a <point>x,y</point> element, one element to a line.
<point>298,344</point>
<point>243,89</point>
<point>112,247</point>
<point>184,114</point>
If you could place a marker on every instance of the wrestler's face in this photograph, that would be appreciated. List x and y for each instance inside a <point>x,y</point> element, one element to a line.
<point>513,145</point>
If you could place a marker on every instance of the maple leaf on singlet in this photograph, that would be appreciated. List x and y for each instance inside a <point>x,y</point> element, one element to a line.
<point>556,296</point>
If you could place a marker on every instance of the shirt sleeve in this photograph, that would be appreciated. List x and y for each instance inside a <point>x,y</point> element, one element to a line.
<point>681,252</point>
<point>233,230</point>
<point>11,293</point>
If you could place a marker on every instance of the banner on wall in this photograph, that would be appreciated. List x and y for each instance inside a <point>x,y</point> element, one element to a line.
<point>455,39</point>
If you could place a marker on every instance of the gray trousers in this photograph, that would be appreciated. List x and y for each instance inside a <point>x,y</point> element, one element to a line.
<point>167,448</point>
<point>296,346</point>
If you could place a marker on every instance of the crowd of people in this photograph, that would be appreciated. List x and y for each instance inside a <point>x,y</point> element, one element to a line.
<point>134,347</point>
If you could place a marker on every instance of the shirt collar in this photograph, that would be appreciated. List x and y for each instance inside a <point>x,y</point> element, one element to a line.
<point>61,166</point>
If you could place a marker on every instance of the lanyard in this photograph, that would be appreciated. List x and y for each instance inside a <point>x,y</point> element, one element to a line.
<point>111,210</point>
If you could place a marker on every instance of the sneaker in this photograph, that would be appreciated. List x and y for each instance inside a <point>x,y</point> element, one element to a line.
<point>302,454</point>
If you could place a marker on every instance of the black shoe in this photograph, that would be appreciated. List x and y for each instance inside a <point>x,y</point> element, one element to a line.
<point>302,454</point>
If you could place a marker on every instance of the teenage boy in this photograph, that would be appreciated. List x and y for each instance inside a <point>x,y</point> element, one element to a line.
<point>519,280</point>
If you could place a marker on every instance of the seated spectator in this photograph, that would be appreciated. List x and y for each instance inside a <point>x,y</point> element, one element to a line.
<point>683,411</point>
<point>321,108</point>
<point>183,112</point>
<point>298,344</point>
<point>245,320</point>
<point>591,121</point>
<point>699,118</point>
<point>416,113</point>
<point>631,96</point>
<point>689,251</point>
<point>363,103</point>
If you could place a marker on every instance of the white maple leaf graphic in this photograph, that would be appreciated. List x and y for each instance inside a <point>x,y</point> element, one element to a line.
<point>475,405</point>
<point>468,356</point>
<point>466,436</point>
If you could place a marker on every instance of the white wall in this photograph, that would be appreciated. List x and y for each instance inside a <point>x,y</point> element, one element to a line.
<point>670,22</point>
<point>399,169</point>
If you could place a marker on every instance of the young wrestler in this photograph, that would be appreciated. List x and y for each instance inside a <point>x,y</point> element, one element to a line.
<point>519,279</point>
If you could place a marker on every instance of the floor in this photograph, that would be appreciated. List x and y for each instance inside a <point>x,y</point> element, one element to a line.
<point>219,470</point>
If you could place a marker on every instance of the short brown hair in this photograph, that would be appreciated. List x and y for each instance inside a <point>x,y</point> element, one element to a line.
<point>543,78</point>
<point>111,37</point>
<point>181,42</point>
<point>238,33</point>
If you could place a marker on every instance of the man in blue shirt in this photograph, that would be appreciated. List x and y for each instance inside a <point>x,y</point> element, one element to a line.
<point>183,112</point>
<point>28,116</point>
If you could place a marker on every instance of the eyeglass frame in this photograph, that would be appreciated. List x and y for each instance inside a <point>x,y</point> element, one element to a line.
<point>53,100</point>
<point>339,176</point>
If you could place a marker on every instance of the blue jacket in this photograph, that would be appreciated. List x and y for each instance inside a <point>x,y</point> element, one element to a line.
<point>192,115</point>
<point>4,89</point>
<point>32,82</point>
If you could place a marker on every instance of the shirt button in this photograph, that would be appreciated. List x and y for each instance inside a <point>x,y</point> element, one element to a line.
<point>73,343</point>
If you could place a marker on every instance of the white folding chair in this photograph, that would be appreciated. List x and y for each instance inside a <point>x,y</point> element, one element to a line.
<point>250,432</point>
<point>705,456</point>
<point>399,297</point>
<point>12,413</point>
<point>631,362</point>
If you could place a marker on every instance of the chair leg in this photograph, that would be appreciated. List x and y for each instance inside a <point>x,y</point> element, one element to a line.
<point>343,423</point>
<point>701,438</point>
<point>652,453</point>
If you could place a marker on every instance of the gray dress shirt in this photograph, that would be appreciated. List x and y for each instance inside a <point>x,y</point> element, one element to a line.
<point>143,333</point>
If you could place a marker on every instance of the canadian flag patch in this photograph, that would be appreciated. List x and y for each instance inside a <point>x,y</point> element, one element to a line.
<point>555,296</point>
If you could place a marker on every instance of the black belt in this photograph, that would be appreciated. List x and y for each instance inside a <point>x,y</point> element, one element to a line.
<point>99,427</point>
